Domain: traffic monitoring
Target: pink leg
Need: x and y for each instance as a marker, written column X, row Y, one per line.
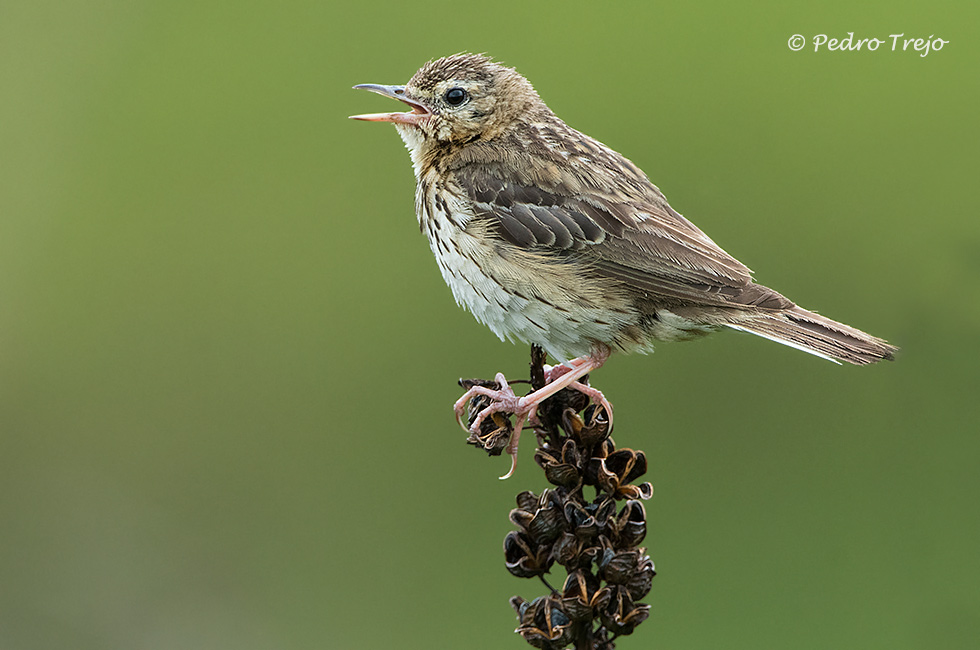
column 596, row 396
column 505, row 400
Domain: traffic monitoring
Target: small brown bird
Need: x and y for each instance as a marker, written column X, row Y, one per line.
column 550, row 237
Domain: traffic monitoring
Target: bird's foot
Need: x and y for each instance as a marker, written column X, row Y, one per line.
column 495, row 402
column 502, row 400
column 552, row 373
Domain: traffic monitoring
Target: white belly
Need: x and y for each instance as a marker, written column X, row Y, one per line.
column 557, row 308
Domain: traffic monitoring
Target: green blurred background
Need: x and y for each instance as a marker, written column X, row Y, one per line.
column 228, row 357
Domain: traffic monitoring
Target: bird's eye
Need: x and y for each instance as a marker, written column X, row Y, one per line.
column 456, row 96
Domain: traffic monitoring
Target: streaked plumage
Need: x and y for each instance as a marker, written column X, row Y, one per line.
column 548, row 236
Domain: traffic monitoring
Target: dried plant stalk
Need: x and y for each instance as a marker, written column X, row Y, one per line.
column 595, row 540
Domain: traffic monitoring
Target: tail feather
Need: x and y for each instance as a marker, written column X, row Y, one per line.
column 816, row 334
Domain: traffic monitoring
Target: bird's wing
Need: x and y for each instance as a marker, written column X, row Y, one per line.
column 630, row 234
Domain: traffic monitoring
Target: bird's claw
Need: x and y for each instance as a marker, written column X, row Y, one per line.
column 597, row 398
column 502, row 400
column 524, row 409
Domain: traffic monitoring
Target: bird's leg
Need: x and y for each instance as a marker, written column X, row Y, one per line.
column 506, row 401
column 515, row 437
column 596, row 396
column 551, row 373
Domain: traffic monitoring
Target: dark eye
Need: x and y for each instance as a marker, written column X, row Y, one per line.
column 456, row 96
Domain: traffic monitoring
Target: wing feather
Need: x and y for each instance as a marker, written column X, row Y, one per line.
column 635, row 237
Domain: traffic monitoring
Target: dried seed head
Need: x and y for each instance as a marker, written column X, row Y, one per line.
column 524, row 557
column 544, row 623
column 580, row 587
column 562, row 469
column 617, row 611
column 631, row 526
column 597, row 545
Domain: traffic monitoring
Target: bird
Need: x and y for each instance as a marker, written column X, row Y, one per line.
column 549, row 237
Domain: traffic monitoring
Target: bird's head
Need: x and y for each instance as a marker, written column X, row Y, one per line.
column 458, row 99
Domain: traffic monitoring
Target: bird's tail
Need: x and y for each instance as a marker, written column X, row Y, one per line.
column 816, row 334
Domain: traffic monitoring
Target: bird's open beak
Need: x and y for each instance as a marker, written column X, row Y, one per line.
column 397, row 92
